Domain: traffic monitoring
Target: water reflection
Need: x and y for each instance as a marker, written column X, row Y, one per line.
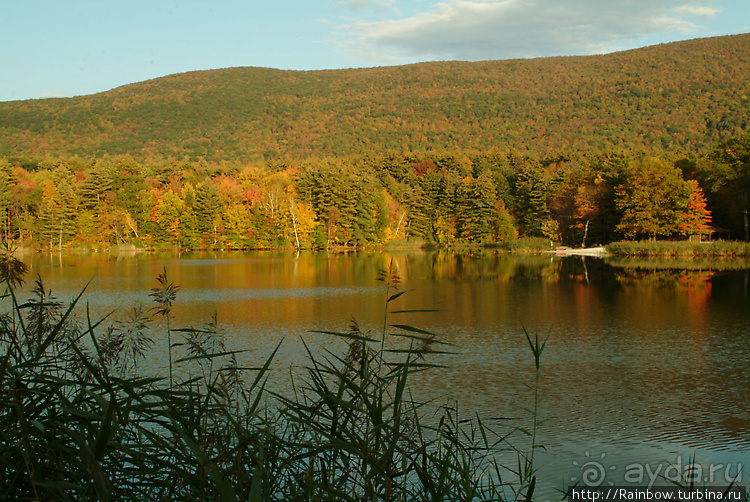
column 644, row 363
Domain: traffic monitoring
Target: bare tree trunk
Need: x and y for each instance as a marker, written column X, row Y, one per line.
column 129, row 221
column 585, row 269
column 585, row 233
column 271, row 205
column 398, row 227
column 294, row 222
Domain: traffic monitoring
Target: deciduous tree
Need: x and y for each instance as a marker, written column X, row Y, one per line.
column 652, row 199
column 696, row 218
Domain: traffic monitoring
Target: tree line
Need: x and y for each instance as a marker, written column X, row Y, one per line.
column 446, row 199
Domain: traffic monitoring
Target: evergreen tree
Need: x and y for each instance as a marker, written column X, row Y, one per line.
column 464, row 211
column 530, row 196
column 207, row 205
column 484, row 221
column 99, row 181
column 420, row 210
column 133, row 195
column 611, row 169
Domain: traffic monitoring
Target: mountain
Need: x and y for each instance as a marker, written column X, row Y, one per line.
column 680, row 97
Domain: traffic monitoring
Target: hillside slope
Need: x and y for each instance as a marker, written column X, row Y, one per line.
column 683, row 96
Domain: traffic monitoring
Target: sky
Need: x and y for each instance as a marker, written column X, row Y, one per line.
column 53, row 48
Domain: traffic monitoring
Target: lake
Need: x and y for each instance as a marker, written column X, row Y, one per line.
column 644, row 366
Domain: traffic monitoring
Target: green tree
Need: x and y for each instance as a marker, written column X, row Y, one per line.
column 477, row 210
column 57, row 213
column 420, row 211
column 732, row 161
column 345, row 202
column 652, row 199
column 611, row 169
column 99, row 181
column 530, row 193
column 189, row 231
column 207, row 205
column 133, row 194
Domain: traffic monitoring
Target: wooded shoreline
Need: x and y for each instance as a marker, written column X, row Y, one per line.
column 460, row 199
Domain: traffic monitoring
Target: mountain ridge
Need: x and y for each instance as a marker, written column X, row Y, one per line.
column 677, row 97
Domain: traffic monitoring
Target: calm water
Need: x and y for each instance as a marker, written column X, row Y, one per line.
column 643, row 367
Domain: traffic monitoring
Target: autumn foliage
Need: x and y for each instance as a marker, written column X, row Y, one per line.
column 464, row 198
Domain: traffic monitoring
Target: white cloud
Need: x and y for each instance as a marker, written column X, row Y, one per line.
column 366, row 4
column 46, row 95
column 695, row 10
column 500, row 29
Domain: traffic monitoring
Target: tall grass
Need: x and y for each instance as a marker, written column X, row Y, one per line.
column 685, row 249
column 79, row 422
column 524, row 245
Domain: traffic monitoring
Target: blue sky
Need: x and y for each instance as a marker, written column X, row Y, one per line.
column 55, row 48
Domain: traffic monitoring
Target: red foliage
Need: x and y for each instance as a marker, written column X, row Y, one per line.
column 252, row 196
column 697, row 218
column 424, row 167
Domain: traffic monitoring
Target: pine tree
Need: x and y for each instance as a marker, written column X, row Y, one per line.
column 484, row 222
column 530, row 197
column 207, row 205
column 99, row 181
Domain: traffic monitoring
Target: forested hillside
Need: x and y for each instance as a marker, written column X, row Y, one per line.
column 682, row 97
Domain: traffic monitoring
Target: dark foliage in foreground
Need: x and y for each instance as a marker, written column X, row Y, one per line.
column 79, row 422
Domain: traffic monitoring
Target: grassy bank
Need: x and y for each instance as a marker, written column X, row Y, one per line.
column 523, row 245
column 683, row 249
column 80, row 422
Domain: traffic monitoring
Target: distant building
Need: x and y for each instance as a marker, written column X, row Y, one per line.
column 712, row 233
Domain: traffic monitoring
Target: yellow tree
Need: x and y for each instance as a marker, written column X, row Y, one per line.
column 236, row 222
column 652, row 199
column 303, row 219
column 166, row 214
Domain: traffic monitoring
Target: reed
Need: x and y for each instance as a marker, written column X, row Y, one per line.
column 524, row 245
column 683, row 249
column 79, row 421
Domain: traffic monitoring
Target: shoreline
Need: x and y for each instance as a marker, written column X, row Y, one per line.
column 598, row 251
